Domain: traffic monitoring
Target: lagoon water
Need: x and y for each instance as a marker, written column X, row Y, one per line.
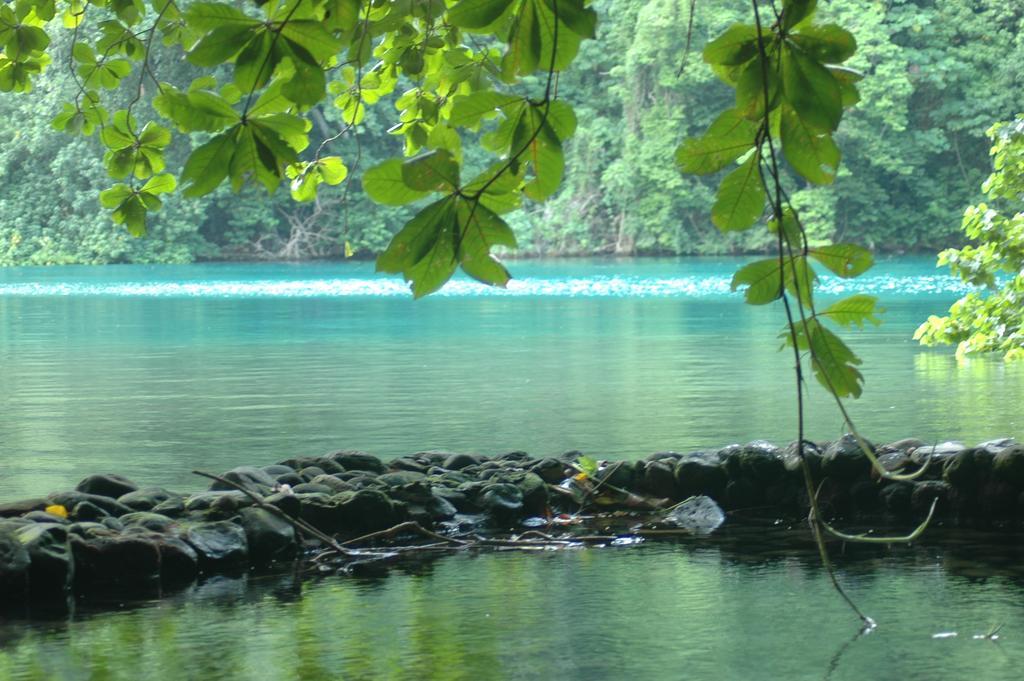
column 153, row 371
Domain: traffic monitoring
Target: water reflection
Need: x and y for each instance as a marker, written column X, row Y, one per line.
column 697, row 609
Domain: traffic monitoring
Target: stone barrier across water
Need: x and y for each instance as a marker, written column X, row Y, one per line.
column 111, row 534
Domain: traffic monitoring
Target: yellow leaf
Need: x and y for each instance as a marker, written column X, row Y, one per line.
column 348, row 250
column 57, row 510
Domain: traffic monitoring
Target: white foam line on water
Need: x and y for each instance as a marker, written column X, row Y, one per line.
column 584, row 287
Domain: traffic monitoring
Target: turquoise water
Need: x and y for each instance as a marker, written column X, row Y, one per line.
column 151, row 371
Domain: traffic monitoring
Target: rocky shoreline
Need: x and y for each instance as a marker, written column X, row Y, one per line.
column 111, row 534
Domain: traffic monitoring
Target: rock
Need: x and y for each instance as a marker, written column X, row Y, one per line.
column 965, row 469
column 892, row 462
column 269, row 537
column 551, row 471
column 89, row 529
column 290, row 479
column 896, row 496
column 249, row 477
column 153, row 522
column 700, row 473
column 459, row 500
column 844, row 461
column 457, row 462
column 88, row 511
column 501, row 501
column 659, row 478
column 71, row 499
column 313, row 488
column 16, row 508
column 399, row 478
column 937, row 454
column 791, row 460
column 44, row 517
column 335, row 484
column 993, row 447
column 700, row 515
column 51, row 569
column 904, row 446
column 407, row 463
column 668, row 457
column 328, row 465
column 422, row 504
column 147, row 498
column 276, row 470
column 742, row 493
column 226, row 501
column 179, row 562
column 309, row 472
column 172, row 508
column 14, row 566
column 116, row 559
column 109, row 485
column 219, row 545
column 534, row 492
column 358, row 461
column 516, row 458
column 864, row 494
column 368, row 511
column 289, row 503
column 761, row 462
column 1008, row 466
column 112, row 523
column 621, row 474
column 925, row 492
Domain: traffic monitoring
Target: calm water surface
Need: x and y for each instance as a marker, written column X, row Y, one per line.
column 151, row 371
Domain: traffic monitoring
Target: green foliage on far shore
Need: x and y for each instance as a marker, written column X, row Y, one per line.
column 991, row 318
column 937, row 74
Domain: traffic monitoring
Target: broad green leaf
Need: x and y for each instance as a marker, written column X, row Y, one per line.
column 561, row 119
column 812, row 90
column 220, row 45
column 800, row 280
column 728, row 138
column 853, row 311
column 827, row 43
column 384, row 184
column 434, row 171
column 750, row 88
column 845, row 260
column 477, row 15
column 208, row 165
column 737, row 45
column 796, row 11
column 762, row 279
column 207, row 16
column 740, row 199
column 160, row 184
column 313, row 38
column 482, row 229
column 575, row 16
column 423, row 251
column 332, row 169
column 833, row 362
column 790, row 228
column 814, row 155
column 256, row 62
column 115, row 196
column 847, row 79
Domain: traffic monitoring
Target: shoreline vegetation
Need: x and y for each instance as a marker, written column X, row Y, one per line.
column 351, row 513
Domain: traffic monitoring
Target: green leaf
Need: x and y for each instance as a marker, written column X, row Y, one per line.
column 332, row 169
column 814, row 155
column 477, row 15
column 737, row 45
column 160, row 184
column 828, row 43
column 790, row 226
column 587, row 465
column 728, row 138
column 811, row 90
column 845, row 260
column 467, row 110
column 433, row 171
column 796, row 11
column 423, row 251
column 740, row 199
column 576, row 17
column 854, row 311
column 208, row 165
column 220, row 45
column 384, row 184
column 750, row 88
column 762, row 279
column 313, row 38
column 207, row 16
column 115, row 196
column 481, row 230
column 833, row 362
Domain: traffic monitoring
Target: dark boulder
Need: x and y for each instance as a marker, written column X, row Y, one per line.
column 71, row 499
column 501, row 501
column 422, row 504
column 352, row 513
column 1008, row 466
column 153, row 522
column 89, row 529
column 309, row 472
column 399, row 478
column 147, row 498
column 219, row 544
column 88, row 511
column 179, row 562
column 275, row 470
column 108, row 485
column 904, row 446
column 14, row 566
column 760, row 462
column 226, row 501
column 993, row 447
column 172, row 508
column 812, row 453
column 551, row 471
column 927, row 492
column 357, row 461
column 313, row 488
column 16, row 508
column 845, row 461
column 128, row 559
column 270, row 538
column 289, row 503
column 659, row 478
column 52, row 568
column 534, row 491
column 700, row 473
column 896, row 497
column 937, row 455
column 45, row 517
column 249, row 477
column 334, row 483
column 457, row 462
column 967, row 468
column 408, row 463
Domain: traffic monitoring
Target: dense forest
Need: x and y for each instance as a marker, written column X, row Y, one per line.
column 939, row 73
